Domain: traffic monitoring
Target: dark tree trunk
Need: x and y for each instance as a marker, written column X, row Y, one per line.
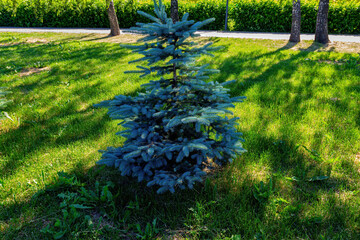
column 321, row 33
column 226, row 14
column 175, row 18
column 114, row 24
column 296, row 22
column 174, row 11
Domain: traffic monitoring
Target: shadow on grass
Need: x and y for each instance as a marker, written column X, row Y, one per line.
column 139, row 203
column 274, row 85
column 85, row 37
column 235, row 65
column 224, row 206
column 33, row 135
column 63, row 122
column 75, row 54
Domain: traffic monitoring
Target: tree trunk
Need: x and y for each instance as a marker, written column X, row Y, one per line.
column 296, row 21
column 174, row 11
column 114, row 24
column 321, row 33
column 175, row 18
column 226, row 14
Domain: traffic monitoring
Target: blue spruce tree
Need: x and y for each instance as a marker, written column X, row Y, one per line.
column 179, row 126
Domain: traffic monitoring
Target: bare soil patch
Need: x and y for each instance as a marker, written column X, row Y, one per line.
column 9, row 44
column 357, row 161
column 27, row 41
column 344, row 47
column 311, row 46
column 29, row 71
column 37, row 40
column 95, row 37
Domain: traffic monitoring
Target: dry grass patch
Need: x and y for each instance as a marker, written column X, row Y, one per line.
column 9, row 44
column 343, row 47
column 311, row 46
column 357, row 161
column 29, row 71
column 37, row 40
column 95, row 37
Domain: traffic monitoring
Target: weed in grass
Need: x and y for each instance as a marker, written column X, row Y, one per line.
column 318, row 159
column 149, row 232
column 260, row 235
column 78, row 207
column 71, row 224
column 3, row 103
column 353, row 62
column 263, row 191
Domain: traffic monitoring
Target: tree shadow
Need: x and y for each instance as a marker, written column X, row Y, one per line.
column 32, row 135
column 226, row 202
column 63, row 122
column 139, row 203
column 82, row 37
column 225, row 199
column 237, row 63
column 282, row 154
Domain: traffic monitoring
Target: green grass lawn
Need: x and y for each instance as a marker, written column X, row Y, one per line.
column 301, row 123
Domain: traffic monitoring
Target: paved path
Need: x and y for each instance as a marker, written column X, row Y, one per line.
column 272, row 36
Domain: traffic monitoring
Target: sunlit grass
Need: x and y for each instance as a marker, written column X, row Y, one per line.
column 301, row 119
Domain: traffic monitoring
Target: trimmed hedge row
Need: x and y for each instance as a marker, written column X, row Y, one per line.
column 272, row 16
column 244, row 15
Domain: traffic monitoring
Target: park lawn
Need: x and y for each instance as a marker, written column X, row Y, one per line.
column 301, row 123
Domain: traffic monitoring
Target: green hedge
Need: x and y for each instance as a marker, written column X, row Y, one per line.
column 244, row 15
column 275, row 16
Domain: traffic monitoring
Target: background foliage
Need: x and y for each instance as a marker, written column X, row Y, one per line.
column 244, row 15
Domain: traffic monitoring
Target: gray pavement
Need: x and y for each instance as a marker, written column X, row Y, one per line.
column 222, row 34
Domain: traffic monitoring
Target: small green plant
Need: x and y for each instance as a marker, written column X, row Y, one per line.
column 260, row 235
column 291, row 211
column 353, row 61
column 313, row 153
column 303, row 174
column 312, row 179
column 200, row 214
column 63, row 182
column 71, row 220
column 149, row 232
column 263, row 191
column 210, row 189
column 100, row 197
column 129, row 210
column 236, row 237
column 75, row 208
column 199, row 219
column 38, row 64
column 3, row 103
